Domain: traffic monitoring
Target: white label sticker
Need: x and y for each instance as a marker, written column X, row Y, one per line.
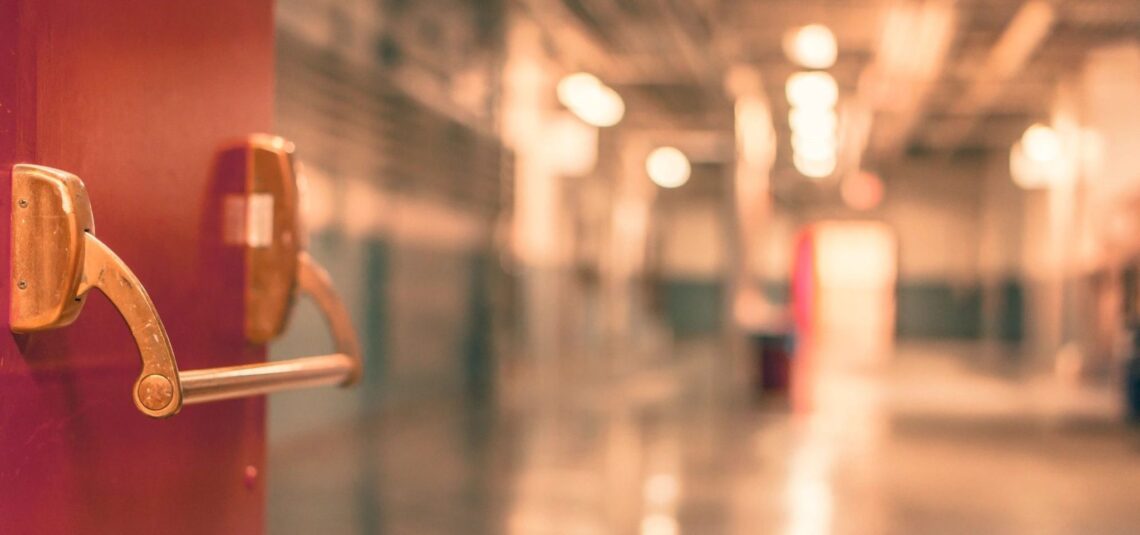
column 259, row 220
column 233, row 220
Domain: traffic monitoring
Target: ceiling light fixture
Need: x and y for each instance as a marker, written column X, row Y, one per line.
column 1041, row 143
column 668, row 167
column 812, row 89
column 813, row 122
column 592, row 101
column 814, row 149
column 812, row 46
column 814, row 168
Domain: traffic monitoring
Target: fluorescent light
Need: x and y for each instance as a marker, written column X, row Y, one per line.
column 812, row 46
column 814, row 168
column 574, row 88
column 815, row 148
column 592, row 101
column 813, row 122
column 1041, row 143
column 668, row 167
column 812, row 89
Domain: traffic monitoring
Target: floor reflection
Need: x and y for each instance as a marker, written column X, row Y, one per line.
column 935, row 442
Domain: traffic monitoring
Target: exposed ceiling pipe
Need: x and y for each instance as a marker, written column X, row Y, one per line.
column 573, row 40
column 915, row 39
column 1026, row 33
column 704, row 66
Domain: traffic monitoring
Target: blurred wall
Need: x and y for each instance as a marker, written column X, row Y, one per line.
column 935, row 208
column 1080, row 252
column 1041, row 267
column 692, row 265
column 391, row 105
column 1000, row 252
column 933, row 205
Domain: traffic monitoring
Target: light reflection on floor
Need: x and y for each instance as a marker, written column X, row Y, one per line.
column 937, row 442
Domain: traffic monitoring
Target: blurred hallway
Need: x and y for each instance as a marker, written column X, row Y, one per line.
column 579, row 236
column 679, row 449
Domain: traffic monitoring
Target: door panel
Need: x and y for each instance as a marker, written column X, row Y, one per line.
column 137, row 98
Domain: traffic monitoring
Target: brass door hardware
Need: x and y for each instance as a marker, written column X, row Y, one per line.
column 56, row 260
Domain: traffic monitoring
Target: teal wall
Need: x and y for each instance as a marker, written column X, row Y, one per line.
column 931, row 309
column 936, row 309
column 940, row 309
column 693, row 306
column 425, row 331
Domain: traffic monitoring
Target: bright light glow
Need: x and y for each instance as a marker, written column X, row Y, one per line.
column 574, row 87
column 812, row 46
column 1041, row 143
column 814, row 143
column 814, row 90
column 856, row 270
column 592, row 101
column 668, row 167
column 1029, row 173
column 659, row 524
column 813, row 96
column 1042, row 159
column 820, row 148
column 813, row 122
column 607, row 109
column 1023, row 171
column 811, row 168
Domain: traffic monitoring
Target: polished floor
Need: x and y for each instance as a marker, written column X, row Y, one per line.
column 935, row 438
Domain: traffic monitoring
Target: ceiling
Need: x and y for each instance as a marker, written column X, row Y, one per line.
column 938, row 76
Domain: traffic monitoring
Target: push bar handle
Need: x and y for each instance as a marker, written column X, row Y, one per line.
column 162, row 389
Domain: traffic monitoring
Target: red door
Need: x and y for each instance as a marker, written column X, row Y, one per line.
column 136, row 97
